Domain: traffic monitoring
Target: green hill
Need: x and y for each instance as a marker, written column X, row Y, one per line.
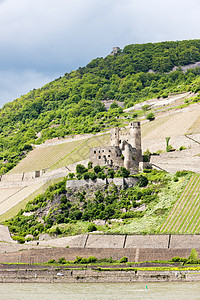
column 72, row 104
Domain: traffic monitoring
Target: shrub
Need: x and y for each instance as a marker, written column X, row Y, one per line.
column 182, row 148
column 181, row 173
column 178, row 259
column 89, row 165
column 80, row 169
column 97, row 169
column 78, row 260
column 92, row 259
column 143, row 181
column 114, row 105
column 62, row 260
column 193, row 256
column 123, row 260
column 71, row 175
column 111, row 174
column 19, row 239
column 145, row 158
column 134, row 115
column 150, row 117
column 92, row 175
column 91, row 227
column 86, row 175
column 101, row 175
column 145, row 107
column 51, row 261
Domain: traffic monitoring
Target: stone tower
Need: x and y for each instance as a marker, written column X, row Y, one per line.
column 114, row 137
column 135, row 138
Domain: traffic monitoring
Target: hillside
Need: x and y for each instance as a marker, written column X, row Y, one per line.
column 141, row 208
column 72, row 104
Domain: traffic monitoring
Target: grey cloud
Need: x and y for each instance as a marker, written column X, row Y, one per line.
column 56, row 36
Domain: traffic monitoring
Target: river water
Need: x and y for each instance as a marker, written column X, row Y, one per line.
column 80, row 291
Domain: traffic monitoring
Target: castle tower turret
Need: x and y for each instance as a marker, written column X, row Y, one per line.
column 135, row 138
column 114, row 137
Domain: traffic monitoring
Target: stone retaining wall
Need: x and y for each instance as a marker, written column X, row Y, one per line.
column 133, row 255
column 91, row 275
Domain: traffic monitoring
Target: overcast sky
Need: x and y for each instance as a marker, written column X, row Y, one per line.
column 41, row 40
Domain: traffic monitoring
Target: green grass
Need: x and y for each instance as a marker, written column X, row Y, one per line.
column 185, row 215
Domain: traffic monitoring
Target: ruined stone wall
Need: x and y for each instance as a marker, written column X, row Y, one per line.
column 129, row 182
column 125, row 142
column 110, row 156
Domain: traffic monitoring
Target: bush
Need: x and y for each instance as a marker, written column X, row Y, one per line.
column 51, row 261
column 71, row 175
column 78, row 260
column 150, row 117
column 80, row 169
column 86, row 175
column 62, row 260
column 143, row 181
column 101, row 175
column 146, row 158
column 193, row 256
column 97, row 169
column 178, row 259
column 89, row 165
column 134, row 115
column 182, row 148
column 92, row 175
column 91, row 227
column 92, row 259
column 123, row 260
column 145, row 107
column 19, row 239
column 181, row 173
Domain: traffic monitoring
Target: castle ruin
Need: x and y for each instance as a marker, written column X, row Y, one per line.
column 124, row 150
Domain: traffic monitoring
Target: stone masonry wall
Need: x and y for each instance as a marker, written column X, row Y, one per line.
column 88, row 182
column 134, row 255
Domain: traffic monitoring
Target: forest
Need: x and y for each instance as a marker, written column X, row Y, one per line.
column 72, row 104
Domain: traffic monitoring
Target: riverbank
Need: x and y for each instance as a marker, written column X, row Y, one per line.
column 59, row 274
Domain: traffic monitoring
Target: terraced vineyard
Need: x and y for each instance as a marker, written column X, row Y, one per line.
column 57, row 156
column 185, row 215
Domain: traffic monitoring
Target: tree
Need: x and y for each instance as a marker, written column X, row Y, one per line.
column 114, row 105
column 150, row 117
column 80, row 169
